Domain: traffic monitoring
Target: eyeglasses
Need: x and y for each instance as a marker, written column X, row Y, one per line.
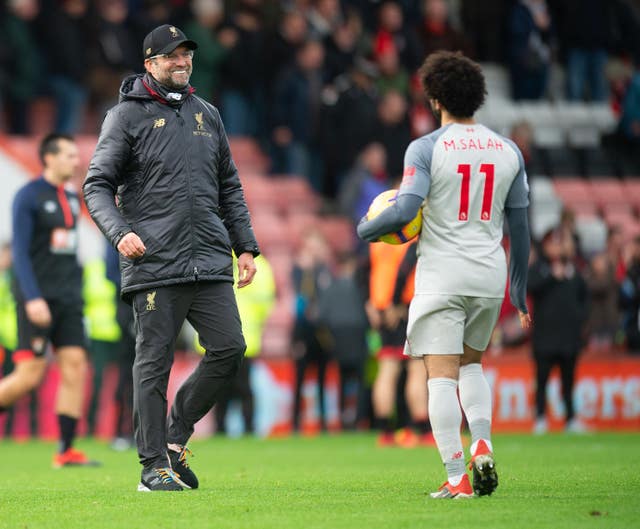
column 175, row 55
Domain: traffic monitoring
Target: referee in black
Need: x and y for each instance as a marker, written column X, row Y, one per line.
column 180, row 213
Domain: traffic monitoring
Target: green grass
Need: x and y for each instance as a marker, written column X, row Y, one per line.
column 335, row 481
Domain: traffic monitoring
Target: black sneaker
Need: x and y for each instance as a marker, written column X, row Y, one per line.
column 181, row 468
column 158, row 479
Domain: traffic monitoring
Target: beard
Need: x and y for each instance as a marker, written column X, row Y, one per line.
column 176, row 85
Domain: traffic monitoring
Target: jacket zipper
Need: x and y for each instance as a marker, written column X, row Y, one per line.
column 191, row 196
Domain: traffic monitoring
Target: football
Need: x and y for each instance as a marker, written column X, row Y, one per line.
column 410, row 231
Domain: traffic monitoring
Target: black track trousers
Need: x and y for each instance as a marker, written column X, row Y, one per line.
column 159, row 314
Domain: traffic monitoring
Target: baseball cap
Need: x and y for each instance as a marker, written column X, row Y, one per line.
column 165, row 39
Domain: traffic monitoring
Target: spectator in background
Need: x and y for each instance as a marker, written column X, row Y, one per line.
column 522, row 135
column 366, row 180
column 529, row 38
column 436, row 33
column 22, row 63
column 389, row 317
column 393, row 130
column 348, row 119
column 283, row 43
column 483, row 23
column 113, row 53
column 416, row 392
column 341, row 312
column 629, row 126
column 254, row 305
column 630, row 297
column 213, row 41
column 615, row 252
column 243, row 73
column 310, row 275
column 324, row 17
column 63, row 30
column 560, row 297
column 342, row 47
column 392, row 75
column 392, row 36
column 421, row 117
column 296, row 114
column 584, row 27
column 604, row 318
column 567, row 229
column 151, row 14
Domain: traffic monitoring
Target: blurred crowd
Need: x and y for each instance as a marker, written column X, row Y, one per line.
column 328, row 89
column 315, row 82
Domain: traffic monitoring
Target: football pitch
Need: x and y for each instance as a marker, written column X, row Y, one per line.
column 330, row 481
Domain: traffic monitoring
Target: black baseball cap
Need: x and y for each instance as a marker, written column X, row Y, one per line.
column 164, row 39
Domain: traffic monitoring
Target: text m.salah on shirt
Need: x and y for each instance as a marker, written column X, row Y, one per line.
column 470, row 144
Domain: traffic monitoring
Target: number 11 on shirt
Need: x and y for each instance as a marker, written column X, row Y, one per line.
column 464, row 169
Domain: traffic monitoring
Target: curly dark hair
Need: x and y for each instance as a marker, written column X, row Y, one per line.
column 455, row 81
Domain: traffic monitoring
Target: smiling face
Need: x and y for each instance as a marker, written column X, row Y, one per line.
column 172, row 70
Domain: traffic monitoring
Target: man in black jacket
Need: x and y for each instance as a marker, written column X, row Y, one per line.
column 180, row 213
column 560, row 298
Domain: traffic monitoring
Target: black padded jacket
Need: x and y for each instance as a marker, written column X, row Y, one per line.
column 177, row 187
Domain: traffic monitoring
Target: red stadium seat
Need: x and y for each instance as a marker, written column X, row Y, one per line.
column 631, row 188
column 259, row 193
column 573, row 191
column 608, row 191
column 271, row 231
column 293, row 193
column 339, row 232
column 247, row 155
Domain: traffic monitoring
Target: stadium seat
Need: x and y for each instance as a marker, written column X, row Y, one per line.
column 596, row 162
column 549, row 137
column 271, row 231
column 544, row 220
column 260, row 194
column 573, row 115
column 248, row 156
column 592, row 232
column 339, row 232
column 497, row 80
column 630, row 229
column 559, row 162
column 573, row 191
column 293, row 193
column 546, row 207
column 541, row 189
column 603, row 116
column 631, row 186
column 540, row 114
column 608, row 192
column 281, row 262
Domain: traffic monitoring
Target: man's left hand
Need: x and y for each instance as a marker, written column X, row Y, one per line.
column 246, row 269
